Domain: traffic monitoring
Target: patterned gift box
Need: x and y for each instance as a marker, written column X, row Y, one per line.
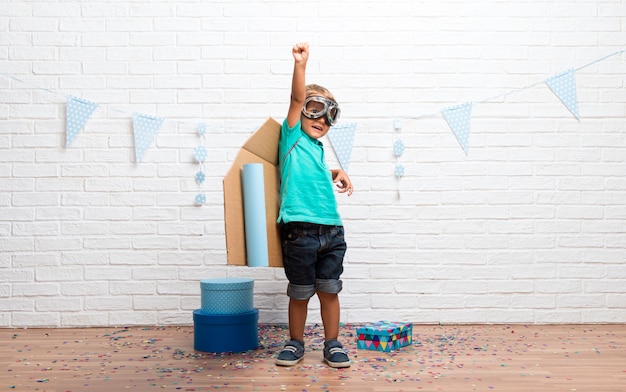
column 226, row 295
column 384, row 336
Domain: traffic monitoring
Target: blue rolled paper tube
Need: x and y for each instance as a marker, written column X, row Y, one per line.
column 254, row 214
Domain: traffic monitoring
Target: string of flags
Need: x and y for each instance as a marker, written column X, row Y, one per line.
column 458, row 118
column 78, row 112
column 563, row 85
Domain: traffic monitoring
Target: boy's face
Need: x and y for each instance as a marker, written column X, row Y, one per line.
column 318, row 114
column 314, row 127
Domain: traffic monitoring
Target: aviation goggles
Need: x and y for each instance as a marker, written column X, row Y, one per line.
column 317, row 106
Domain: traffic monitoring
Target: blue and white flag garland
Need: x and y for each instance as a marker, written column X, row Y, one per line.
column 145, row 128
column 342, row 137
column 458, row 118
column 78, row 111
column 563, row 86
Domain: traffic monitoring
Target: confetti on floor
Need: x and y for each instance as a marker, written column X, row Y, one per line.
column 441, row 358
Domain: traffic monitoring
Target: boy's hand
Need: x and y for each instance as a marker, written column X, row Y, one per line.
column 301, row 52
column 341, row 179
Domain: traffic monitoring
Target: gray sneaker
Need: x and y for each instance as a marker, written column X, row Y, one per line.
column 334, row 354
column 291, row 354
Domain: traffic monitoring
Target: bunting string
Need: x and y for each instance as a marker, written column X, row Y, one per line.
column 600, row 59
column 34, row 85
column 500, row 97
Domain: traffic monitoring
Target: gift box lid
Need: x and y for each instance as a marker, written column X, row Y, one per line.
column 390, row 327
column 222, row 284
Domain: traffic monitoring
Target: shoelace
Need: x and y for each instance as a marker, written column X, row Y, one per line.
column 293, row 349
column 336, row 350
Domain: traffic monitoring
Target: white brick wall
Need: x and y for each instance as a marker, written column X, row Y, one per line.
column 529, row 228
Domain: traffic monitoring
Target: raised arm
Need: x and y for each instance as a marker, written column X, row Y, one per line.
column 300, row 53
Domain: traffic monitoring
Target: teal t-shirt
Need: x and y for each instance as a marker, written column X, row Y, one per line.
column 306, row 186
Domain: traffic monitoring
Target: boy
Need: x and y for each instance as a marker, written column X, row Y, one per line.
column 312, row 234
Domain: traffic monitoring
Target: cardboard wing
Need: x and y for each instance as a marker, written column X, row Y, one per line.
column 261, row 147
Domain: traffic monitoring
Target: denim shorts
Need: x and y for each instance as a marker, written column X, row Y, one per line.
column 312, row 258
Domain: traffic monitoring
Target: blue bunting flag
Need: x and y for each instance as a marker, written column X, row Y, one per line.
column 145, row 128
column 342, row 137
column 563, row 86
column 459, row 118
column 78, row 111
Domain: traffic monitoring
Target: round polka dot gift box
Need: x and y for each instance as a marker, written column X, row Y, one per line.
column 227, row 295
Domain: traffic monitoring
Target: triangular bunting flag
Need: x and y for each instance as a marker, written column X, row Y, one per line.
column 78, row 112
column 145, row 128
column 342, row 137
column 458, row 118
column 563, row 86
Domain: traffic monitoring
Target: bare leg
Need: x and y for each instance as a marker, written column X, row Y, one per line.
column 330, row 310
column 334, row 355
column 297, row 318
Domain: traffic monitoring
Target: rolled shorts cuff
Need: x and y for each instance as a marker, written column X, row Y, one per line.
column 330, row 286
column 300, row 292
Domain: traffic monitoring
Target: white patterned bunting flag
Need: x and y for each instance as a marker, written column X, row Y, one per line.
column 563, row 86
column 145, row 128
column 458, row 118
column 78, row 111
column 342, row 137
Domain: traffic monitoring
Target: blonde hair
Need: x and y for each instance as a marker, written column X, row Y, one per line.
column 314, row 89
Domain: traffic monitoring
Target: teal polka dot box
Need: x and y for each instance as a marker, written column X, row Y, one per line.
column 227, row 295
column 227, row 320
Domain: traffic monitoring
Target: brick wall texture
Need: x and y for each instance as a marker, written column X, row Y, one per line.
column 529, row 227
